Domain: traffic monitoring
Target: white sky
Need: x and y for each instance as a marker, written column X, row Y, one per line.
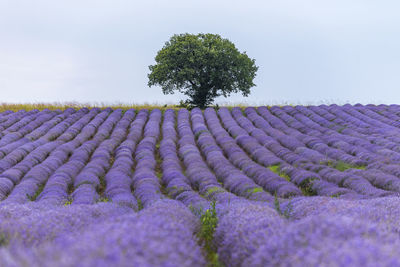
column 308, row 52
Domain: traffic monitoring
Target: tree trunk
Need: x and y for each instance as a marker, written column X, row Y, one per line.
column 200, row 98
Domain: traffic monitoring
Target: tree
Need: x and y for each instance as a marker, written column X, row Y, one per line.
column 203, row 67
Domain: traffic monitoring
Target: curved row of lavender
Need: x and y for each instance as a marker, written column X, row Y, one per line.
column 310, row 186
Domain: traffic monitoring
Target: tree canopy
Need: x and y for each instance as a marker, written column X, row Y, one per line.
column 203, row 67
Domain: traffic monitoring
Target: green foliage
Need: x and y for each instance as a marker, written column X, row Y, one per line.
column 257, row 189
column 70, row 188
column 184, row 104
column 37, row 193
column 343, row 166
column 277, row 169
column 199, row 133
column 307, row 187
column 175, row 190
column 3, row 240
column 213, row 260
column 140, row 204
column 288, row 210
column 277, row 204
column 203, row 67
column 209, row 221
column 274, row 168
column 254, row 190
column 212, row 190
column 197, row 211
column 102, row 186
column 103, row 199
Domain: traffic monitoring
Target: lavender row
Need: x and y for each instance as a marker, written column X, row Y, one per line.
column 177, row 185
column 91, row 176
column 15, row 118
column 353, row 180
column 37, row 132
column 361, row 145
column 202, row 179
column 119, row 178
column 146, row 184
column 57, row 134
column 309, row 134
column 308, row 180
column 39, row 174
column 56, row 189
column 18, row 162
column 212, row 158
column 232, row 178
column 35, row 169
column 354, row 140
column 25, row 126
column 270, row 181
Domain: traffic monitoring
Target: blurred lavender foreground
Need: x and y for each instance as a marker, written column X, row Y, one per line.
column 100, row 235
column 319, row 232
column 266, row 186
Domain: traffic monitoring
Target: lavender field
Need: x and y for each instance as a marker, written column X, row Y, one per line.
column 266, row 186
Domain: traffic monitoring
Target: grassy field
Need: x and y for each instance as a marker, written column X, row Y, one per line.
column 62, row 106
column 149, row 106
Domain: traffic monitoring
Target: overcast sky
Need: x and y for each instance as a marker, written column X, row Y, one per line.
column 308, row 52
